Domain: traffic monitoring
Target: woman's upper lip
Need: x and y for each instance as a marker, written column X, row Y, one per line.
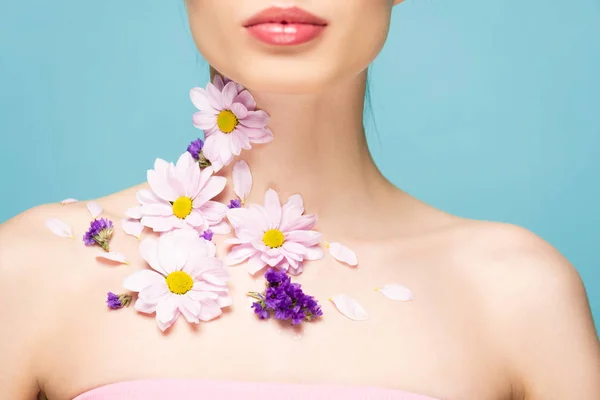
column 288, row 15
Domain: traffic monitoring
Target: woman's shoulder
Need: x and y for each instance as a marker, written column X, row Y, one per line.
column 530, row 300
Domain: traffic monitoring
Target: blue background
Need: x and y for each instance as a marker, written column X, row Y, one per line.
column 485, row 109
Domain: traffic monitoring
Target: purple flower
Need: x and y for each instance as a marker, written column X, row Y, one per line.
column 115, row 302
column 100, row 232
column 195, row 148
column 207, row 235
column 285, row 300
column 235, row 203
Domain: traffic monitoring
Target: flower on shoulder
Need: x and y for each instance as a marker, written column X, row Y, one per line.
column 180, row 197
column 185, row 279
column 100, row 232
column 284, row 300
column 273, row 235
column 230, row 120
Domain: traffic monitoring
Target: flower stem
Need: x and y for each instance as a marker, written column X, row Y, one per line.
column 255, row 295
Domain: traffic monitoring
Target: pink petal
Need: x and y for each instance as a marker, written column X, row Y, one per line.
column 349, row 307
column 204, row 121
column 255, row 264
column 161, row 224
column 213, row 211
column 213, row 187
column 342, row 253
column 200, row 100
column 256, row 135
column 149, row 252
column 145, row 196
column 216, row 276
column 190, row 309
column 145, row 307
column 239, row 110
column 218, row 82
column 272, row 260
column 142, row 279
column 245, row 98
column 235, row 142
column 160, row 186
column 134, row 212
column 155, row 293
column 167, row 312
column 255, row 119
column 222, row 228
column 307, row 238
column 273, row 208
column 242, row 180
column 94, row 209
column 113, row 256
column 305, row 222
column 229, row 93
column 239, row 254
column 225, row 154
column 157, row 210
column 209, row 310
column 59, row 228
column 396, row 292
column 68, row 201
column 295, row 248
column 314, row 253
column 196, row 219
column 215, row 96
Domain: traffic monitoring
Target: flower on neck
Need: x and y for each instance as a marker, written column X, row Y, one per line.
column 229, row 119
column 195, row 149
column 285, row 300
column 180, row 197
column 185, row 279
column 273, row 235
column 114, row 301
column 100, row 232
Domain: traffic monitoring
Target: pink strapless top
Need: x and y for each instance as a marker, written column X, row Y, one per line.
column 174, row 389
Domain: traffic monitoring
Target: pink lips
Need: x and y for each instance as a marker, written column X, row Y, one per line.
column 285, row 26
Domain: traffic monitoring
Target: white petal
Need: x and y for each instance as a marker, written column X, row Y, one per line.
column 68, row 201
column 141, row 279
column 242, row 180
column 342, row 253
column 132, row 227
column 396, row 292
column 113, row 256
column 349, row 307
column 59, row 228
column 94, row 208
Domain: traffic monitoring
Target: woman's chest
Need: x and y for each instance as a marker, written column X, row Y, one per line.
column 430, row 345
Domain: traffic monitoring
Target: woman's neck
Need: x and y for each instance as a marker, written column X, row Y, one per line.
column 320, row 151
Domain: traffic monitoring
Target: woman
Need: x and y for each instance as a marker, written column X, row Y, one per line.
column 497, row 313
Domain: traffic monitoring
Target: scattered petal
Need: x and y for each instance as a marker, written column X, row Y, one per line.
column 68, row 201
column 132, row 227
column 342, row 253
column 396, row 292
column 95, row 209
column 242, row 180
column 114, row 256
column 349, row 307
column 59, row 228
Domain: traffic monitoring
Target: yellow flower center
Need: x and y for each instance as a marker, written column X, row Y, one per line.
column 180, row 282
column 273, row 238
column 182, row 207
column 227, row 121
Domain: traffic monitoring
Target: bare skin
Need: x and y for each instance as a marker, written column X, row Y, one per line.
column 498, row 313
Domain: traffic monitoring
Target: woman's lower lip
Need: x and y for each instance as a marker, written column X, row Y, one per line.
column 285, row 34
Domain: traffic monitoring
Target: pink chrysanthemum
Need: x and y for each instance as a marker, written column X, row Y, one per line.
column 229, row 119
column 274, row 235
column 180, row 197
column 185, row 279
